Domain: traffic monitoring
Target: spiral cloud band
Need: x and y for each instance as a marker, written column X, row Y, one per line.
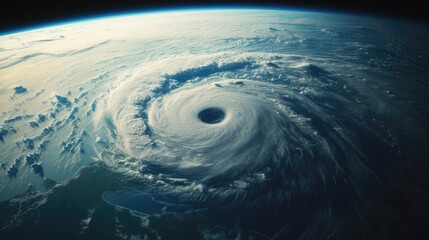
column 230, row 135
column 246, row 137
column 216, row 115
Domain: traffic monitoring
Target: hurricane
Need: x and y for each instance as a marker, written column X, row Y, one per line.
column 215, row 130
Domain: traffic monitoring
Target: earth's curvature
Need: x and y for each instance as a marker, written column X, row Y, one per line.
column 215, row 124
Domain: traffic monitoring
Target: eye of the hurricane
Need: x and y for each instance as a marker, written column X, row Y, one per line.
column 211, row 115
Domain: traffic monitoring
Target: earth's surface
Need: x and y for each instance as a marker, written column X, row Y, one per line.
column 215, row 124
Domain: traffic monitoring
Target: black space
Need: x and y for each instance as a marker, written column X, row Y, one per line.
column 21, row 14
